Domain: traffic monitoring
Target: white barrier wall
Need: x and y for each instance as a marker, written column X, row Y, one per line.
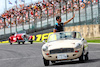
column 87, row 31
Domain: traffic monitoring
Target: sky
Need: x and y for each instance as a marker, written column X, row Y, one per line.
column 2, row 4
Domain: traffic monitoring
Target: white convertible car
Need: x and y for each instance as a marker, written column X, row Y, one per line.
column 64, row 46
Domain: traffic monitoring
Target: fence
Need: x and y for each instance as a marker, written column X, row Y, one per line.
column 38, row 17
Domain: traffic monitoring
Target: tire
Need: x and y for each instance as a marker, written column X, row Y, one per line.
column 86, row 56
column 46, row 62
column 53, row 61
column 81, row 58
column 31, row 42
column 10, row 42
column 23, row 42
column 18, row 42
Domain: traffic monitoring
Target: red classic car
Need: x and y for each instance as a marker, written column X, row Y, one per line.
column 20, row 37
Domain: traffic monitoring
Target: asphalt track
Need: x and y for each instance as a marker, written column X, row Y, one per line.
column 29, row 55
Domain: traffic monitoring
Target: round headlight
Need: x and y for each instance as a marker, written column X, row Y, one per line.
column 45, row 48
column 78, row 45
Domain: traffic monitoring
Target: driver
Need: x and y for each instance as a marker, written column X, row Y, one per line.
column 73, row 34
column 25, row 36
column 62, row 35
column 12, row 34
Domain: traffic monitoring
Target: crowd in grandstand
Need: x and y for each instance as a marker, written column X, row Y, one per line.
column 38, row 10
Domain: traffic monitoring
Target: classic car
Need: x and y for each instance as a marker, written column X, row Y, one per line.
column 64, row 46
column 20, row 37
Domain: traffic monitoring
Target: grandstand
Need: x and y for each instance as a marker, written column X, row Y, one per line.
column 42, row 15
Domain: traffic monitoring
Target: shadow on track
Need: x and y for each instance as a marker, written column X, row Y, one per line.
column 75, row 62
column 21, row 44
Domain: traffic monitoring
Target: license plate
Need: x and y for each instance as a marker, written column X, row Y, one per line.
column 62, row 56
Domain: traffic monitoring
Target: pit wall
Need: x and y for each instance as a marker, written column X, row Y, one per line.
column 87, row 31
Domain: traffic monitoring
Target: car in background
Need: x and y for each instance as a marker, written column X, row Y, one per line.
column 64, row 46
column 20, row 38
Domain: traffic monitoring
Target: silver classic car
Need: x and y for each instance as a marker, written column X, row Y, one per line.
column 64, row 46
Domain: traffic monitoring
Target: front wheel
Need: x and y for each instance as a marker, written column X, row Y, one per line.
column 86, row 56
column 23, row 42
column 31, row 42
column 46, row 62
column 10, row 42
column 81, row 58
column 18, row 41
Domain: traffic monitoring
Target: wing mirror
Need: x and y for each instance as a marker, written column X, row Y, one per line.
column 44, row 41
column 82, row 39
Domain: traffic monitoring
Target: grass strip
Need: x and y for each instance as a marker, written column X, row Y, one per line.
column 93, row 41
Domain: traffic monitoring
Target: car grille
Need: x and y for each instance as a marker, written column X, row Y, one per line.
column 62, row 50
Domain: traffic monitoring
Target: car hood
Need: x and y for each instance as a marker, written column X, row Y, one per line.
column 62, row 44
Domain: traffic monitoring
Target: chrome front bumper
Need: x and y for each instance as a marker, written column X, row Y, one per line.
column 70, row 56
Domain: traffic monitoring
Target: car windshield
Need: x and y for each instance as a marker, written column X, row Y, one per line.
column 21, row 32
column 64, row 35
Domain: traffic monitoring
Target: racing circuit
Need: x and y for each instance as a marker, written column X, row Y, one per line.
column 86, row 21
column 29, row 55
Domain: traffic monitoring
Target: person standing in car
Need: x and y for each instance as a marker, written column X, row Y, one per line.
column 59, row 25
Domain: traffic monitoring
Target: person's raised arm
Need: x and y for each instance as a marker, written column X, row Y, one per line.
column 69, row 20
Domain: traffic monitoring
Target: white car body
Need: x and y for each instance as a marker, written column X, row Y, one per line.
column 64, row 48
